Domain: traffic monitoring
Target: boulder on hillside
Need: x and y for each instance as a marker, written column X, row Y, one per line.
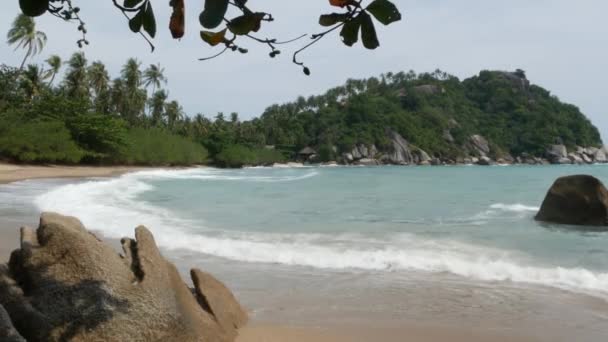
column 576, row 200
column 401, row 153
column 66, row 284
column 479, row 145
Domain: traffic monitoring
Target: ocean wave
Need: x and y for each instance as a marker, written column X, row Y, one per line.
column 517, row 207
column 209, row 174
column 113, row 207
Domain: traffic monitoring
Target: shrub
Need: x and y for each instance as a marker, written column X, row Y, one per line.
column 239, row 156
column 39, row 142
column 155, row 146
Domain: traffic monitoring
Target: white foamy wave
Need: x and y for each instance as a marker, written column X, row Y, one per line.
column 517, row 207
column 114, row 207
column 219, row 175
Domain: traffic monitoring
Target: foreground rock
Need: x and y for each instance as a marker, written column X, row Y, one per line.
column 65, row 284
column 576, row 200
column 8, row 333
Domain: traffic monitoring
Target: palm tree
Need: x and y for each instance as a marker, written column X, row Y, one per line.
column 135, row 98
column 157, row 106
column 174, row 113
column 55, row 63
column 154, row 76
column 132, row 74
column 99, row 79
column 76, row 82
column 24, row 34
column 31, row 81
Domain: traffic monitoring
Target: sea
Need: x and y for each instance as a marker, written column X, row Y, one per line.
column 451, row 243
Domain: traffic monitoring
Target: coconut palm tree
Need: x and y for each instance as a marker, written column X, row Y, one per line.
column 54, row 63
column 23, row 33
column 135, row 98
column 99, row 79
column 31, row 80
column 157, row 106
column 154, row 75
column 76, row 81
column 174, row 113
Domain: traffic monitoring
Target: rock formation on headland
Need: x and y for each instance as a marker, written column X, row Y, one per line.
column 66, row 284
column 576, row 200
column 477, row 147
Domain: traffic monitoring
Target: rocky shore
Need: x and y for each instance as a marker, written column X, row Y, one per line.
column 476, row 151
column 64, row 284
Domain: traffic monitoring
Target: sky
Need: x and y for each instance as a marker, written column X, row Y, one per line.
column 561, row 44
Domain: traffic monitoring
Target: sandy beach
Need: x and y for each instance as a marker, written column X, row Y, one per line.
column 433, row 311
column 12, row 173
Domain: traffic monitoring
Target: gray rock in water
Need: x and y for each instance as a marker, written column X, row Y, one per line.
column 575, row 158
column 401, row 153
column 600, row 156
column 479, row 144
column 368, row 162
column 7, row 331
column 421, row 157
column 576, row 200
column 557, row 154
column 69, row 285
column 485, row 161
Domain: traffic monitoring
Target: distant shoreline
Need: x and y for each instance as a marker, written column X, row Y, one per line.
column 14, row 172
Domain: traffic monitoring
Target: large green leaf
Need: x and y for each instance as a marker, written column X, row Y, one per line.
column 150, row 21
column 385, row 11
column 246, row 23
column 350, row 31
column 214, row 13
column 137, row 21
column 332, row 19
column 368, row 32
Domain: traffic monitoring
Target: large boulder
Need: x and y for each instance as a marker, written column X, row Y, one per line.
column 576, row 200
column 8, row 333
column 479, row 145
column 66, row 284
column 401, row 153
column 557, row 154
column 600, row 156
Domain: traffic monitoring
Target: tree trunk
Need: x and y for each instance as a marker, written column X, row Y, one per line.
column 24, row 59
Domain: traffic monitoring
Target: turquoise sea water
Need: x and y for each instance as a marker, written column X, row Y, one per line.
column 475, row 223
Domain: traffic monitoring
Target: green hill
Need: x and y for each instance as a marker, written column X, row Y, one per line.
column 436, row 112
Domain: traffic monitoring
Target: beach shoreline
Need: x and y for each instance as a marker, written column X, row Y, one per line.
column 457, row 316
column 13, row 172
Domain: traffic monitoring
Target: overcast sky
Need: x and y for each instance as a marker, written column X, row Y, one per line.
column 562, row 45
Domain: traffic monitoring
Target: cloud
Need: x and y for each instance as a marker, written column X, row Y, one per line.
column 562, row 45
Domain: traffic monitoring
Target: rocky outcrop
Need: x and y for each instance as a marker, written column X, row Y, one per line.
column 576, row 200
column 479, row 145
column 66, row 284
column 557, row 154
column 8, row 333
column 428, row 89
column 401, row 153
